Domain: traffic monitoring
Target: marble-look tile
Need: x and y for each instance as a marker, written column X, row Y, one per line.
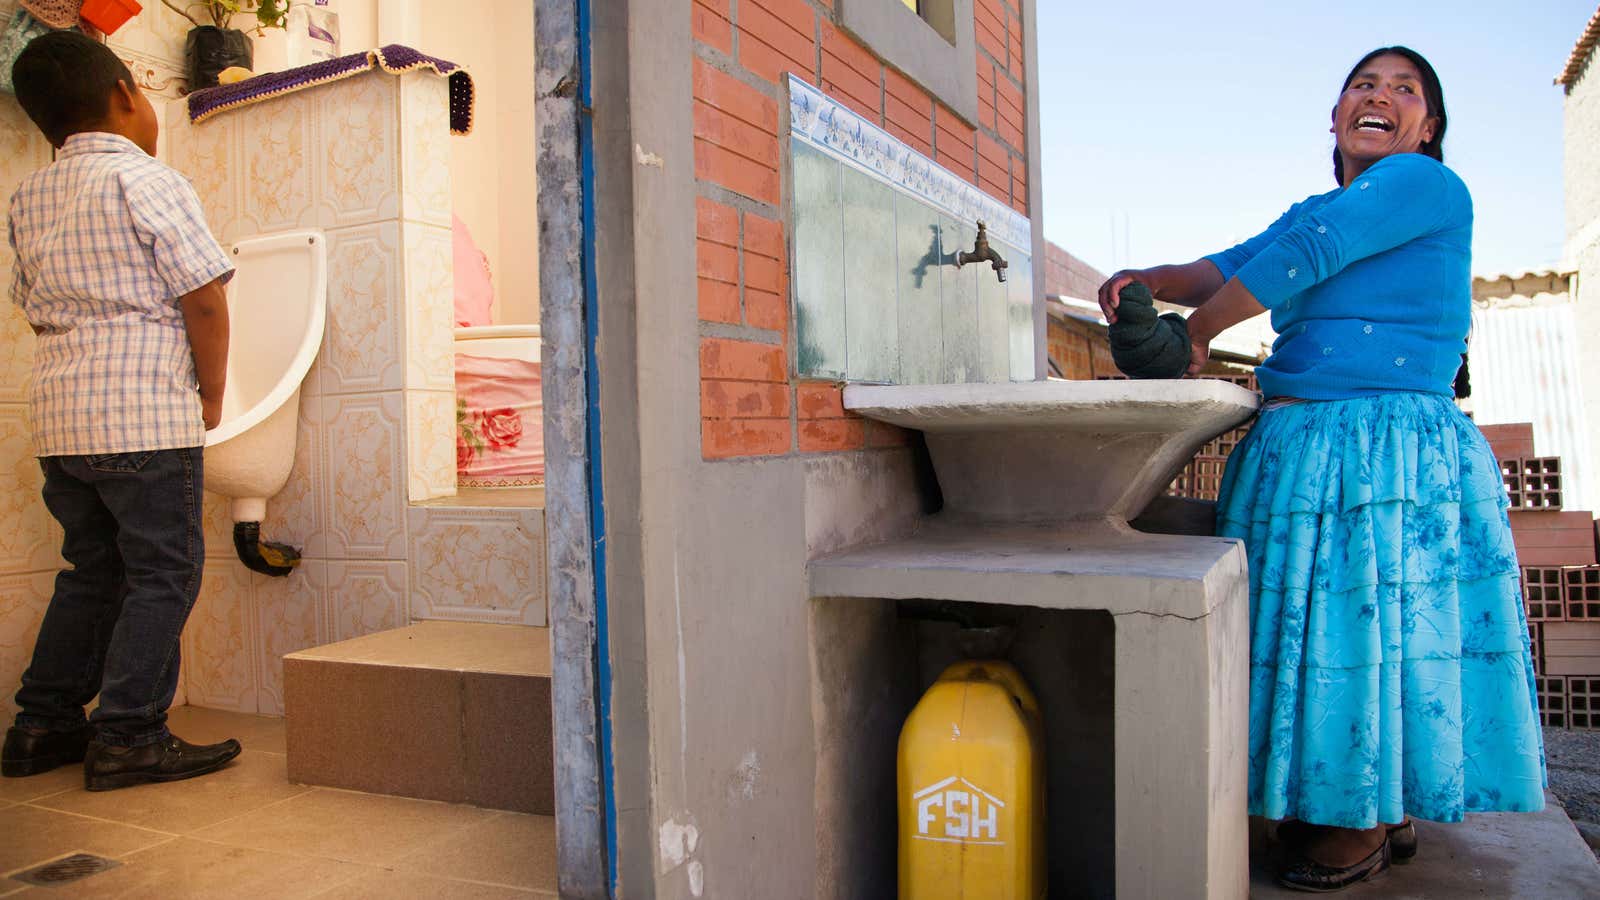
column 366, row 475
column 296, row 514
column 358, row 170
column 872, row 344
column 30, row 540
column 425, row 148
column 277, row 183
column 994, row 320
column 430, row 308
column 431, row 444
column 920, row 264
column 1020, row 304
column 264, row 734
column 819, row 273
column 290, row 612
column 211, row 154
column 219, row 640
column 365, row 597
column 478, row 565
column 366, row 311
column 959, row 298
column 23, row 599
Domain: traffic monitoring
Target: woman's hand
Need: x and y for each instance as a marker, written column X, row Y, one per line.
column 1110, row 292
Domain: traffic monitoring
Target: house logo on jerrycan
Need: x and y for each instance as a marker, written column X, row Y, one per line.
column 971, row 788
column 955, row 809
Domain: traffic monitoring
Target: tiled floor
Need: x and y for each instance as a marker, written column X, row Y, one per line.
column 247, row 832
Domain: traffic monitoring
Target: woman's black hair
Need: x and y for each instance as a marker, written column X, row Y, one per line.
column 64, row 82
column 1432, row 94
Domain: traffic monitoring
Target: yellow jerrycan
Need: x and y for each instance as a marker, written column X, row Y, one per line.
column 971, row 789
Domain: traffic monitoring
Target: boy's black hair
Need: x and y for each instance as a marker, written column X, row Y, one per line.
column 64, row 81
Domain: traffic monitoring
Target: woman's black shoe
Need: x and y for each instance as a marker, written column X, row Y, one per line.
column 1306, row 875
column 1402, row 838
column 26, row 753
column 170, row 759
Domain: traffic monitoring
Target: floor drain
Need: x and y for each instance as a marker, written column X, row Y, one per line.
column 70, row 868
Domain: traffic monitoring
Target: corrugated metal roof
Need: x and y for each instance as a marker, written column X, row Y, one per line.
column 1525, row 369
column 1580, row 51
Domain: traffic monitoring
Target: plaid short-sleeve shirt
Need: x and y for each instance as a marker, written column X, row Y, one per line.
column 107, row 241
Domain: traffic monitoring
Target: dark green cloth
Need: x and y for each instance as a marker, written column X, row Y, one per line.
column 1144, row 345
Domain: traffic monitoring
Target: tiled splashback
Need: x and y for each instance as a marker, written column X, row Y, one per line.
column 877, row 227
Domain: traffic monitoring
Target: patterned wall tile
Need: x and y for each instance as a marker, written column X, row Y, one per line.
column 22, row 151
column 358, row 169
column 296, row 515
column 425, row 148
column 30, row 540
column 290, row 616
column 478, row 565
column 16, row 347
column 431, row 445
column 430, row 308
column 219, row 641
column 366, row 476
column 217, row 526
column 23, row 599
column 366, row 311
column 277, row 184
column 365, row 597
column 151, row 43
column 211, row 154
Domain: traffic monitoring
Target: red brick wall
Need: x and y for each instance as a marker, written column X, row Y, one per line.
column 750, row 404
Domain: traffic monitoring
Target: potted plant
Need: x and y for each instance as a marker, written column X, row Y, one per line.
column 213, row 44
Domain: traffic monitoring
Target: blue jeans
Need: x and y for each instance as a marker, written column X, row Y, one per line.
column 135, row 551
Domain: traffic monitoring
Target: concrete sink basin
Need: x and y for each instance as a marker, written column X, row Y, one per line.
column 1052, row 452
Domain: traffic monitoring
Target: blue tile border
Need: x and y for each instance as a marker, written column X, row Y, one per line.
column 839, row 131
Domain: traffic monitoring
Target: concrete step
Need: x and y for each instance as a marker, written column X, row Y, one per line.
column 452, row 711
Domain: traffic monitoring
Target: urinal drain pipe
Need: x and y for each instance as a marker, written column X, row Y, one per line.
column 266, row 557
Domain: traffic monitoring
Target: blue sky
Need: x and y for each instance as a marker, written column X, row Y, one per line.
column 1172, row 129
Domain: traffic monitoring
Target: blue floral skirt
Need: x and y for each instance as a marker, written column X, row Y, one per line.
column 1390, row 671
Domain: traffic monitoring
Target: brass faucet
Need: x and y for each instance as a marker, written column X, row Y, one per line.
column 981, row 251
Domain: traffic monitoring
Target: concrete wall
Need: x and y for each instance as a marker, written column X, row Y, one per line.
column 1581, row 189
column 723, row 473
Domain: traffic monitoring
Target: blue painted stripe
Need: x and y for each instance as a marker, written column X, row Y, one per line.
column 597, row 505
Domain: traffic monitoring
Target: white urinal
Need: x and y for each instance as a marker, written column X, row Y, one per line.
column 277, row 306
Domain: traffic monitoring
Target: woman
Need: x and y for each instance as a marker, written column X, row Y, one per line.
column 1390, row 673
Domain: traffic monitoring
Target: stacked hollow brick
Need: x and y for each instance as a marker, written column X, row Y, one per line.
column 1201, row 479
column 751, row 403
column 1556, row 548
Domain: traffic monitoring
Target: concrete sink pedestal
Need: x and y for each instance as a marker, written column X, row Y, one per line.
column 1039, row 480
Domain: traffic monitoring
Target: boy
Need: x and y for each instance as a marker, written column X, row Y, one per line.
column 123, row 284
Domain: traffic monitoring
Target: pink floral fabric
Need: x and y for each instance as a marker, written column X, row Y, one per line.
column 499, row 422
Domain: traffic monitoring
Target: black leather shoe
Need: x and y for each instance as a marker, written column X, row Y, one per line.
column 27, row 753
column 1308, row 875
column 107, row 768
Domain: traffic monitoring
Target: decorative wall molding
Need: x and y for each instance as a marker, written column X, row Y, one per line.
column 839, row 131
